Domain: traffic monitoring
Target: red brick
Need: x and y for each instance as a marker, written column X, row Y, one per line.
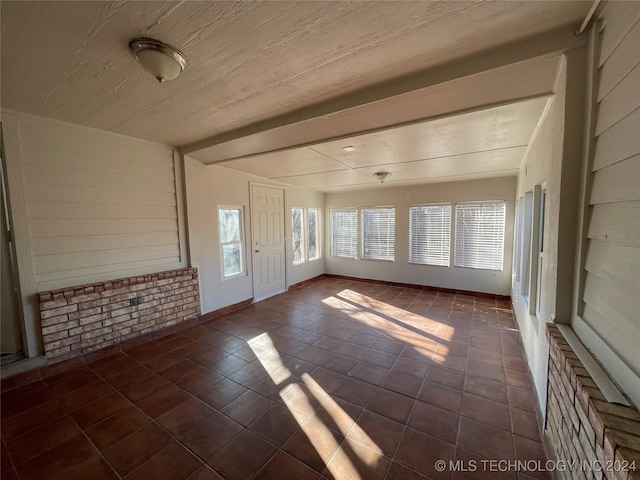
column 58, row 351
column 53, row 337
column 61, row 343
column 84, row 313
column 84, row 297
column 58, row 311
column 47, row 305
column 95, row 333
column 58, row 328
column 93, row 318
column 115, row 320
column 114, row 291
column 93, row 304
column 123, row 311
column 54, row 320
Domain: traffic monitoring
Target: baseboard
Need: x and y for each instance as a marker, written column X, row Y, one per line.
column 422, row 287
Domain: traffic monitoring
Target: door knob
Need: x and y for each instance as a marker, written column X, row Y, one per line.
column 257, row 251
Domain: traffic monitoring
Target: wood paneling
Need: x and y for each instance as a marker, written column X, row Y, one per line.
column 619, row 182
column 99, row 205
column 619, row 17
column 611, row 285
column 620, row 101
column 616, row 223
column 619, row 143
column 621, row 62
column 613, row 263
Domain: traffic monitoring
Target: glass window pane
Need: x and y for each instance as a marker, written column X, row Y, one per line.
column 313, row 234
column 298, row 236
column 230, row 230
column 232, row 254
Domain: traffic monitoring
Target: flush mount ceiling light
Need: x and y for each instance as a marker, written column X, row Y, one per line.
column 162, row 61
column 381, row 176
column 349, row 149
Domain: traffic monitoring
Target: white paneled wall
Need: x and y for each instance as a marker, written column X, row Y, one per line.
column 99, row 206
column 611, row 286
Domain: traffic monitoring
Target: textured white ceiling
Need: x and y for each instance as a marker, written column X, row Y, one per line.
column 485, row 143
column 284, row 77
column 248, row 61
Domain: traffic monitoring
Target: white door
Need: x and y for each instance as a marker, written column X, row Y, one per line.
column 268, row 245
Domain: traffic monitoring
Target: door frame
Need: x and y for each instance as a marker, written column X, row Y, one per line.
column 284, row 235
column 7, row 212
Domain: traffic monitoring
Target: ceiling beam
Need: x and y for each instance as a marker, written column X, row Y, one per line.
column 491, row 78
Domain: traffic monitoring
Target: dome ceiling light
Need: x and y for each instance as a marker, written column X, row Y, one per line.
column 162, row 61
column 381, row 176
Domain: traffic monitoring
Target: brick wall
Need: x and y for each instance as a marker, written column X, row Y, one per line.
column 89, row 317
column 582, row 426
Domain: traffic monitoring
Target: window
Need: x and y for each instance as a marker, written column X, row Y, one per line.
column 344, row 233
column 232, row 241
column 430, row 234
column 313, row 223
column 480, row 235
column 298, row 235
column 543, row 201
column 525, row 251
column 517, row 239
column 379, row 233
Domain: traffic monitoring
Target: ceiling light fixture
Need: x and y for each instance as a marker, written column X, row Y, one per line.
column 381, row 176
column 162, row 61
column 349, row 149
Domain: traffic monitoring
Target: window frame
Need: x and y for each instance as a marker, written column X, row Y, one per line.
column 242, row 242
column 525, row 251
column 540, row 253
column 412, row 260
column 363, row 232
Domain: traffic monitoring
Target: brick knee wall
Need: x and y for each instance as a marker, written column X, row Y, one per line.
column 89, row 317
column 582, row 426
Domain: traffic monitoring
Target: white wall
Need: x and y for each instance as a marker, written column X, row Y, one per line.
column 88, row 206
column 210, row 186
column 401, row 270
column 542, row 166
column 553, row 162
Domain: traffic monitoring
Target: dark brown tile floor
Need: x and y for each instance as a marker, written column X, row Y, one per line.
column 340, row 379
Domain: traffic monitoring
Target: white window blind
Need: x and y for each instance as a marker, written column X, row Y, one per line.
column 344, row 233
column 298, row 235
column 378, row 233
column 430, row 234
column 480, row 235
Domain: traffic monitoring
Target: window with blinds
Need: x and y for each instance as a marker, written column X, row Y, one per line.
column 480, row 235
column 298, row 235
column 379, row 233
column 344, row 233
column 430, row 234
